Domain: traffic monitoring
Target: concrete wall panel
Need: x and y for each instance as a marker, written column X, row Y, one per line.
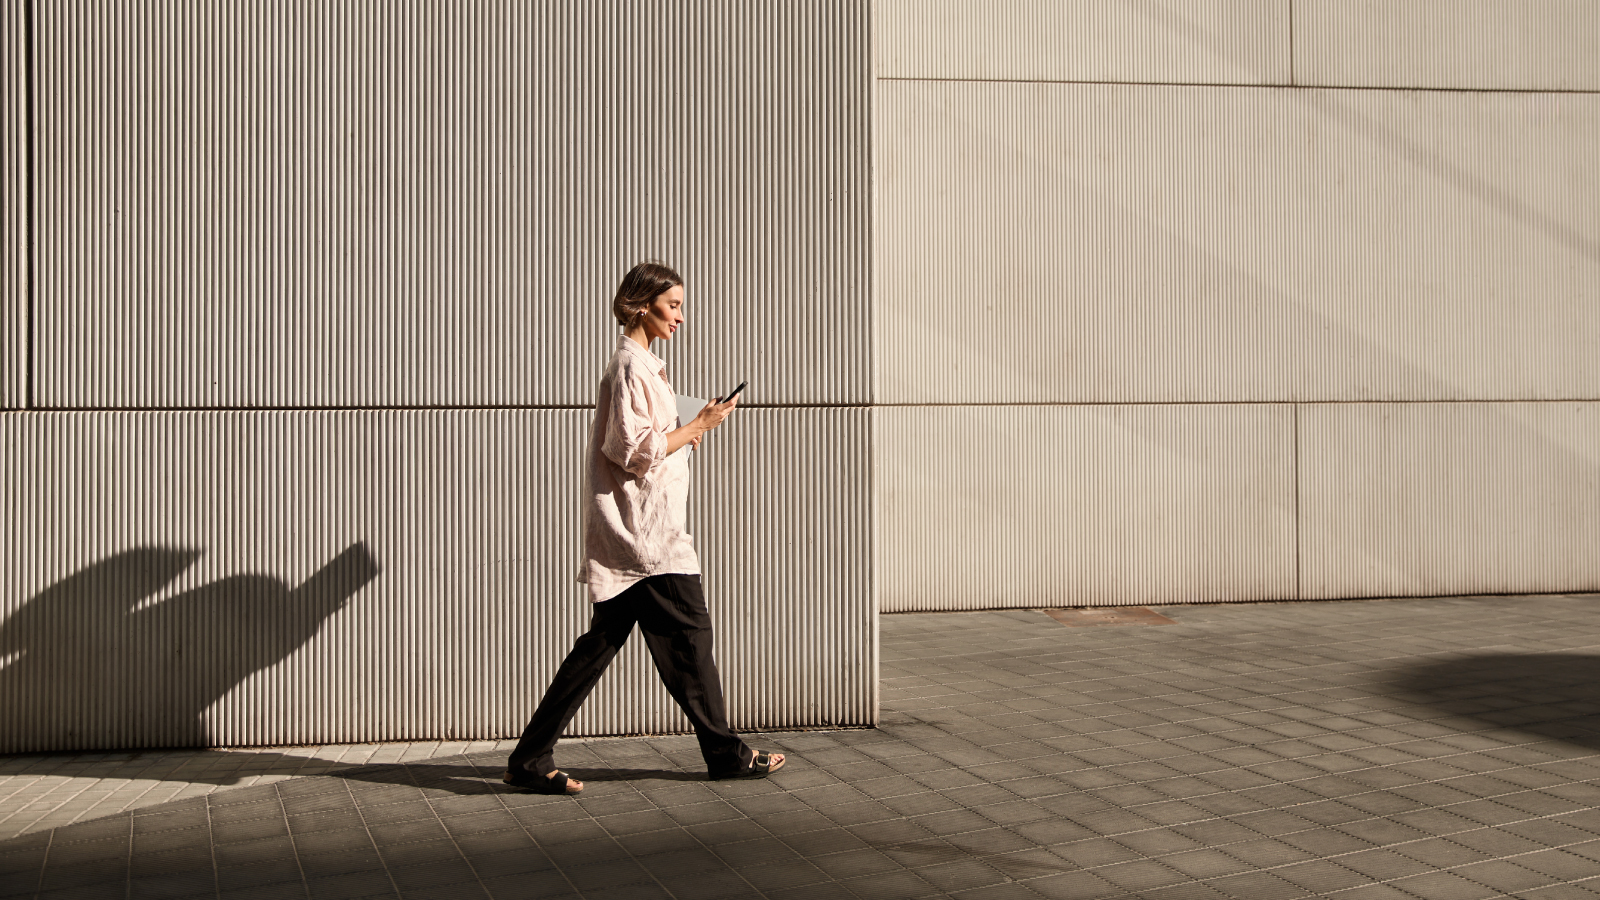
column 1173, row 41
column 983, row 507
column 1549, row 45
column 370, row 204
column 1051, row 242
column 1458, row 498
column 203, row 578
column 14, row 210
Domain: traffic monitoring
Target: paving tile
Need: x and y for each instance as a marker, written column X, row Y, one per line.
column 1444, row 884
column 1549, row 832
column 1557, row 863
column 855, row 863
column 1072, row 886
column 1505, row 876
column 1140, row 875
column 1258, row 886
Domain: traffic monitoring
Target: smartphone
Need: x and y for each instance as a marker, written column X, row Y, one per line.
column 734, row 393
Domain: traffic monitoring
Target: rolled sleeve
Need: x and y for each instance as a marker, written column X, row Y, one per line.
column 632, row 440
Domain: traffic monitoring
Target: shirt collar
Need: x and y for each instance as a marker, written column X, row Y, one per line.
column 627, row 344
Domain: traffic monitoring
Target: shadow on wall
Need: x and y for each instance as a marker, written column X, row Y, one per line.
column 1554, row 695
column 89, row 669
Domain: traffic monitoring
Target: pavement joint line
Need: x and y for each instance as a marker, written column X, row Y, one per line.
column 426, row 798
column 366, row 827
column 500, row 797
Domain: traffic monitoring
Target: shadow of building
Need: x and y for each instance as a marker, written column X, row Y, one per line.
column 1554, row 695
column 90, row 669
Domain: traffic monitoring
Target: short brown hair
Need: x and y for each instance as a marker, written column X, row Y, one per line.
column 642, row 285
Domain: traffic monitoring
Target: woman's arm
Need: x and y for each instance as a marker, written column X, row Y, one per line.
column 710, row 416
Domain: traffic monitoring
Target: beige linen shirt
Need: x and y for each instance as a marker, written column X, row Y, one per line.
column 636, row 497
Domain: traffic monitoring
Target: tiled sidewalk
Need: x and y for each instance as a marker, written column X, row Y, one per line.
column 1434, row 749
column 45, row 791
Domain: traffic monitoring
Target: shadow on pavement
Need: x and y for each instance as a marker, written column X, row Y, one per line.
column 1554, row 695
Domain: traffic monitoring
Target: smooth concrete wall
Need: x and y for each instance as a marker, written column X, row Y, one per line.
column 1449, row 498
column 1497, row 45
column 328, row 292
column 1127, row 243
column 229, row 578
column 1405, row 284
column 1084, row 505
column 1187, row 41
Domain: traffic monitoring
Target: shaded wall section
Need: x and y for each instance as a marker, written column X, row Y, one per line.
column 307, row 577
column 1218, row 223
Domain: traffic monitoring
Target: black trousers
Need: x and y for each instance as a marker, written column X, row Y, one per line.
column 671, row 611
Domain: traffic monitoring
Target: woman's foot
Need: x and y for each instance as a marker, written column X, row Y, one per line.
column 557, row 782
column 761, row 766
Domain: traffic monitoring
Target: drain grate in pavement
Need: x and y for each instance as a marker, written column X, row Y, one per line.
column 1109, row 615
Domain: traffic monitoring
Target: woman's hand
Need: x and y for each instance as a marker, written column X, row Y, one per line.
column 710, row 416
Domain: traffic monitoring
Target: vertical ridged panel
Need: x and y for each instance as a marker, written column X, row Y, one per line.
column 1058, row 242
column 983, row 507
column 780, row 514
column 14, row 244
column 1482, row 44
column 371, row 204
column 1172, row 41
column 157, row 588
column 1459, row 498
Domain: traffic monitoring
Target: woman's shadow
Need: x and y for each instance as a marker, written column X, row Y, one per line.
column 88, row 668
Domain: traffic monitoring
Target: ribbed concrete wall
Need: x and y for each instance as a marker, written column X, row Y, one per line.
column 399, row 227
column 426, row 204
column 227, row 578
column 1181, row 221
column 14, row 243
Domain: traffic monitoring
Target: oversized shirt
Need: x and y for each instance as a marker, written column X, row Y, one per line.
column 636, row 497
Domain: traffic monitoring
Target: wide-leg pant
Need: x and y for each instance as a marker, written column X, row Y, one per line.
column 671, row 612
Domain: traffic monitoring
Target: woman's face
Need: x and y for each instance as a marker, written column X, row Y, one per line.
column 664, row 314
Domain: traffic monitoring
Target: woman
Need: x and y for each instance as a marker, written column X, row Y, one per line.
column 639, row 562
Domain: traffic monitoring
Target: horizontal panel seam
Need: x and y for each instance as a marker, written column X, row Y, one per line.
column 1164, row 603
column 1235, row 403
column 1250, row 85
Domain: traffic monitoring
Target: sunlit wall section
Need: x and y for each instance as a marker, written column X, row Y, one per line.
column 14, row 244
column 429, row 204
column 1243, row 214
column 321, row 304
column 1489, row 45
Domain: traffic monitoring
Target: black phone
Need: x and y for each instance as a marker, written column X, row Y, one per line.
column 734, row 393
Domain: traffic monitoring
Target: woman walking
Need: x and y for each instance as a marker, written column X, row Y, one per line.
column 639, row 562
